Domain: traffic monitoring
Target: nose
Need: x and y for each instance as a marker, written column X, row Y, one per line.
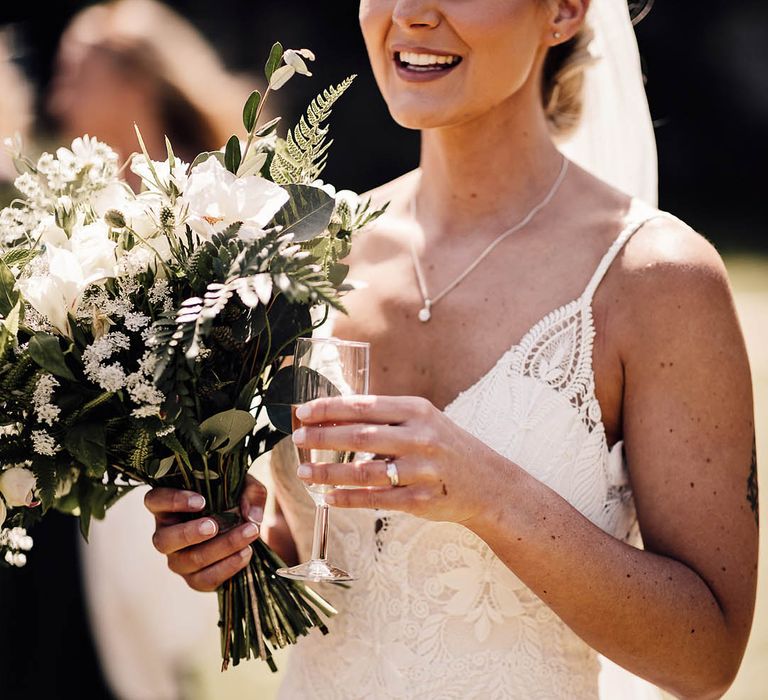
column 415, row 14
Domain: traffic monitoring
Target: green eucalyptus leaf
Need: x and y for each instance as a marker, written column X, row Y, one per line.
column 224, row 431
column 166, row 464
column 232, row 155
column 337, row 273
column 274, row 60
column 306, row 214
column 200, row 474
column 87, row 443
column 218, row 155
column 250, row 110
column 46, row 351
column 9, row 295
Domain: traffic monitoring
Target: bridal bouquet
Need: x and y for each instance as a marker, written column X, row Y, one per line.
column 143, row 335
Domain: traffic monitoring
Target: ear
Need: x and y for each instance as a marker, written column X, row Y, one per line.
column 566, row 19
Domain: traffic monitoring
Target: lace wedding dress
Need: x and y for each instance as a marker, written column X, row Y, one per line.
column 434, row 613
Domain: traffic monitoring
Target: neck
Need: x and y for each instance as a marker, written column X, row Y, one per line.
column 488, row 172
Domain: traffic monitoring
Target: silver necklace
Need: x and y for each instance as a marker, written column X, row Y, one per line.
column 426, row 312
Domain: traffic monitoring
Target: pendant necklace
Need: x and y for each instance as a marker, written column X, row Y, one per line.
column 426, row 312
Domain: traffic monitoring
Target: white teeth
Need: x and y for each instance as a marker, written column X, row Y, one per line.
column 426, row 59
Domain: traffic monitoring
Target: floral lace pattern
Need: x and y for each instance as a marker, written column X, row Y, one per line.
column 435, row 614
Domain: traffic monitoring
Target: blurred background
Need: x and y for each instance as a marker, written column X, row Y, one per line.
column 74, row 68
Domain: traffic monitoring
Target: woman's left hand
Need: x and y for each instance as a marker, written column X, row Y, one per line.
column 439, row 465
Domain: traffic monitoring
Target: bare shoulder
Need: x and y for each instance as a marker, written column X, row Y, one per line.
column 667, row 251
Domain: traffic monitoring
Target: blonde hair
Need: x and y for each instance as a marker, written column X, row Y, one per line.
column 563, row 82
column 199, row 99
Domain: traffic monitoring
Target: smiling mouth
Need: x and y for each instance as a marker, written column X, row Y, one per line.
column 426, row 62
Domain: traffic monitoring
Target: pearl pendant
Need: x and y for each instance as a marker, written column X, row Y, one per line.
column 425, row 314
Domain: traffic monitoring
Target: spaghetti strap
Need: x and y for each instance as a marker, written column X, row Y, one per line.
column 645, row 214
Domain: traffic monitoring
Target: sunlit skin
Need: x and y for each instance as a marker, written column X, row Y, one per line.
column 671, row 372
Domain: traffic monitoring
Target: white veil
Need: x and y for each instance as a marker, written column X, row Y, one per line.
column 615, row 139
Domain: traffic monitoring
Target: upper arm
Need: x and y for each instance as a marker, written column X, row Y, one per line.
column 688, row 415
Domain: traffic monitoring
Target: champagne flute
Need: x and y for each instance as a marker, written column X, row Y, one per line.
column 324, row 367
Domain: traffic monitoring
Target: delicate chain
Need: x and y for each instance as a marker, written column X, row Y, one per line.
column 425, row 313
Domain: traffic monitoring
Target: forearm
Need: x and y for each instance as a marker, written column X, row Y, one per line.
column 651, row 614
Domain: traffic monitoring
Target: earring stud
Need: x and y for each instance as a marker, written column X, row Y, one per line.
column 557, row 35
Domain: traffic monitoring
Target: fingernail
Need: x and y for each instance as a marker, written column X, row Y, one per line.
column 250, row 530
column 304, row 471
column 196, row 502
column 303, row 412
column 299, row 436
column 245, row 553
column 207, row 527
column 256, row 515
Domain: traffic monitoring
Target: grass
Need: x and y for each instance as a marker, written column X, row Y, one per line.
column 749, row 278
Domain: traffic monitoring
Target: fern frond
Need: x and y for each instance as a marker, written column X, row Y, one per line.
column 302, row 157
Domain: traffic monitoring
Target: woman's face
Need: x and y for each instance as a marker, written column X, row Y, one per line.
column 446, row 62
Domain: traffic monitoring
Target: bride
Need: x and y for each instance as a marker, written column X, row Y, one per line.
column 532, row 447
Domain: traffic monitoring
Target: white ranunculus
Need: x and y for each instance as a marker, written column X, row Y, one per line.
column 3, row 512
column 17, row 485
column 217, row 198
column 59, row 292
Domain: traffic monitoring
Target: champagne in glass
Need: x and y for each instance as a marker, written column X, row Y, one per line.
column 324, row 367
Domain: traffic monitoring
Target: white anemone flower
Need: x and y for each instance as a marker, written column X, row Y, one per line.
column 17, row 486
column 217, row 199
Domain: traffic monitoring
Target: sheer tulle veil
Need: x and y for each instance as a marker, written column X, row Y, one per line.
column 615, row 139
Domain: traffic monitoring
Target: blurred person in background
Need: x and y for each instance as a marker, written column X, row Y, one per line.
column 15, row 113
column 139, row 62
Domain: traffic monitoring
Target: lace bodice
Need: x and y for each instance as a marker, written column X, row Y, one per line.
column 435, row 614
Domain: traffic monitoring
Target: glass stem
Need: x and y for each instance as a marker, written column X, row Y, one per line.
column 320, row 538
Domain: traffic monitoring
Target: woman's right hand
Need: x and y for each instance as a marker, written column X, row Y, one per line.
column 199, row 550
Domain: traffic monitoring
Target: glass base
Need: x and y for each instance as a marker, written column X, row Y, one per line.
column 316, row 570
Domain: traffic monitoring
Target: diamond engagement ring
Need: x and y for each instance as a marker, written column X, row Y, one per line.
column 392, row 475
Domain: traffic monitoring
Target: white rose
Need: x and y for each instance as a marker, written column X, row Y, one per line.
column 3, row 512
column 94, row 250
column 217, row 198
column 17, row 485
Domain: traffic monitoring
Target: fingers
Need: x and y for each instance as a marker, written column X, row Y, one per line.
column 171, row 538
column 252, row 500
column 359, row 437
column 210, row 578
column 360, row 473
column 410, row 499
column 363, row 409
column 163, row 503
column 203, row 556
